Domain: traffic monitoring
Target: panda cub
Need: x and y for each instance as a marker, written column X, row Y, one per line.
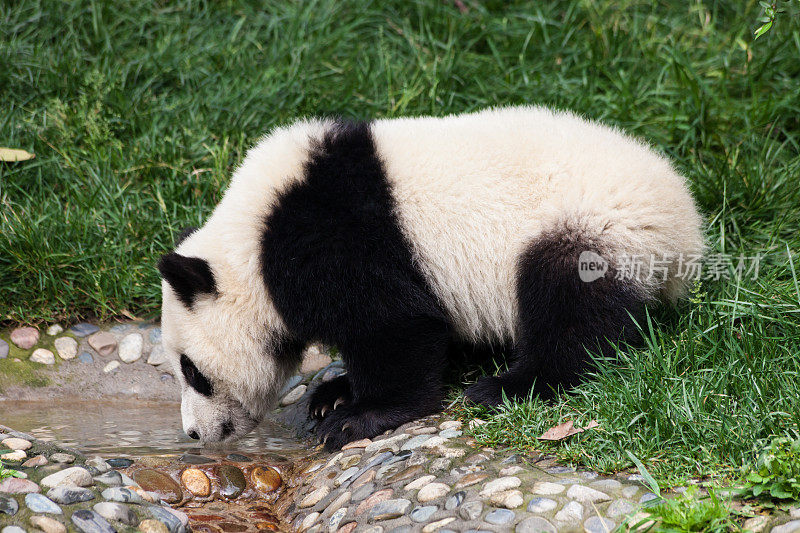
column 393, row 239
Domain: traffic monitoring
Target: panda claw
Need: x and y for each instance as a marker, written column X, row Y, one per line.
column 337, row 403
column 346, row 426
column 323, row 411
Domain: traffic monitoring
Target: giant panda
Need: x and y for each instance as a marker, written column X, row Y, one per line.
column 391, row 239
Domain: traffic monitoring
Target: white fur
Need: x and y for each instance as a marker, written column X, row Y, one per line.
column 472, row 191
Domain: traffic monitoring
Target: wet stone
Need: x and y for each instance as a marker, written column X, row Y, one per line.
column 455, row 500
column 8, row 505
column 192, row 459
column 70, row 494
column 83, row 329
column 422, row 514
column 41, row 504
column 161, row 484
column 121, row 494
column 14, row 485
column 541, row 505
column 291, row 383
column 111, row 478
column 196, row 482
column 595, row 524
column 535, row 524
column 119, row 462
column 25, row 338
column 86, row 357
column 238, row 458
column 389, row 509
column 47, row 524
column 231, row 481
column 163, row 515
column 294, row 395
column 265, row 479
column 500, row 517
column 116, row 512
column 103, row 343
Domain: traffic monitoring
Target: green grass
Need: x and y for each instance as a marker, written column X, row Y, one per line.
column 138, row 112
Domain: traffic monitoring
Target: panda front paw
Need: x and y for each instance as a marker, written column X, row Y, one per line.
column 329, row 396
column 346, row 424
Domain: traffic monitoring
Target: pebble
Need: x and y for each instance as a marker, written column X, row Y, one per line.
column 3, row 349
column 585, row 494
column 374, row 499
column 619, row 508
column 756, row 524
column 83, row 329
column 455, row 500
column 13, row 485
column 152, row 526
column 116, row 512
column 788, row 527
column 130, row 347
column 155, row 336
column 8, row 505
column 62, row 458
column 510, row 470
column 606, row 484
column 649, row 496
column 345, row 476
column 470, row 479
column 39, row 503
column 470, row 510
column 391, row 443
column 560, row 470
column 158, row 355
column 168, row 517
column 15, row 443
column 119, row 462
column 47, row 524
column 500, row 484
column 309, row 521
column 67, row 347
column 336, row 518
column 314, row 497
column 238, row 458
column 510, row 499
column 432, row 491
column 163, row 485
column 39, row 460
column 415, row 442
column 66, row 495
column 196, row 481
column 294, row 395
column 103, row 343
column 439, row 464
column 535, row 524
column 75, row 475
column 90, row 522
column 573, row 511
column 265, row 479
column 121, row 494
column 25, row 338
column 43, row 356
column 548, row 489
column 420, row 482
column 499, row 517
column 541, row 505
column 99, row 463
column 595, row 524
column 350, row 460
column 389, row 509
column 314, row 359
column 111, row 367
column 193, row 459
column 333, row 373
column 111, row 478
column 630, row 492
column 86, row 357
column 450, row 433
column 231, row 481
column 54, row 330
column 433, row 526
column 422, row 514
column 16, row 455
column 12, row 529
column 356, row 444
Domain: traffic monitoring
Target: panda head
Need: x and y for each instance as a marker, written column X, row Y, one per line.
column 225, row 346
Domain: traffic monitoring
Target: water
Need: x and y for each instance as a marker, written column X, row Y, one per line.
column 123, row 428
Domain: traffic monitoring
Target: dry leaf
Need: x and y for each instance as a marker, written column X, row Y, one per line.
column 12, row 155
column 566, row 429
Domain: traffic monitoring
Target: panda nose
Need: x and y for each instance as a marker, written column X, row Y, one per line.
column 193, row 434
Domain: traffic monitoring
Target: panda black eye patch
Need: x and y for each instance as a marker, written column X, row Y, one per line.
column 195, row 378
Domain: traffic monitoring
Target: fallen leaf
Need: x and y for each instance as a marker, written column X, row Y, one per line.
column 566, row 429
column 12, row 155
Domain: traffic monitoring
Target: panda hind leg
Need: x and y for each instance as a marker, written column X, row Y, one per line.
column 395, row 376
column 562, row 318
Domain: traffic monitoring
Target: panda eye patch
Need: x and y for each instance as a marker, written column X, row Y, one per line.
column 195, row 378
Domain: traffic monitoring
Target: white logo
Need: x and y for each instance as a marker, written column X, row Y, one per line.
column 591, row 266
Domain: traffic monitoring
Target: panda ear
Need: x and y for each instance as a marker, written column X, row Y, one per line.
column 184, row 233
column 189, row 277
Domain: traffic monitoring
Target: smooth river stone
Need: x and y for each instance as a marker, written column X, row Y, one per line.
column 47, row 524
column 116, row 511
column 90, row 522
column 8, row 505
column 121, row 494
column 3, row 349
column 265, row 479
column 231, row 481
column 83, row 329
column 192, row 459
column 70, row 494
column 43, row 356
column 103, row 343
column 14, row 485
column 119, row 462
column 15, row 443
column 67, row 347
column 196, row 481
column 163, row 485
column 25, row 338
column 41, row 504
column 130, row 347
column 39, row 460
column 75, row 475
column 163, row 514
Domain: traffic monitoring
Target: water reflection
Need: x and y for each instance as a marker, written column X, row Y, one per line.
column 129, row 428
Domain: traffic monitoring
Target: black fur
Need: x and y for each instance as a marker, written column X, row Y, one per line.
column 194, row 378
column 184, row 233
column 188, row 276
column 560, row 318
column 340, row 271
